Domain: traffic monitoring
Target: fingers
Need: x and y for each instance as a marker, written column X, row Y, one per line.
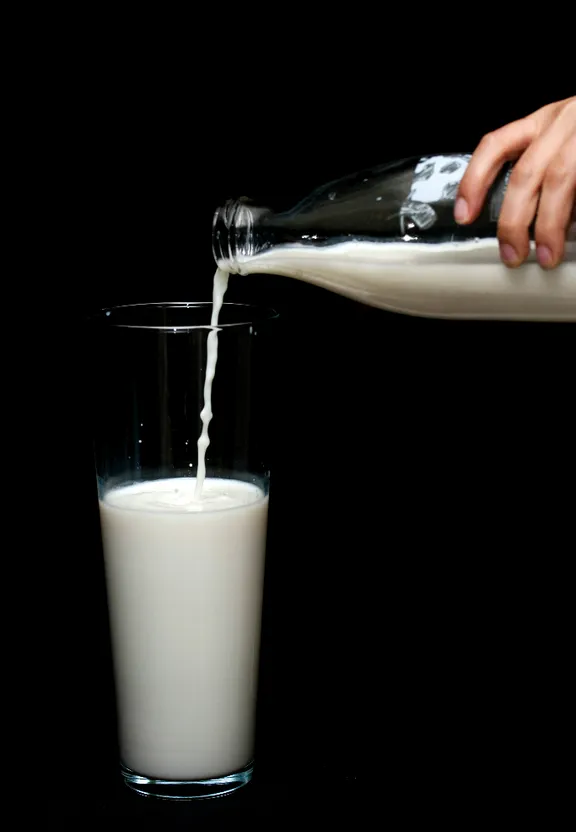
column 503, row 145
column 557, row 205
column 545, row 157
column 542, row 183
column 494, row 150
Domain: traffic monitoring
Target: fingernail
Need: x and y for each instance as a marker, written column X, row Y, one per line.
column 544, row 255
column 461, row 210
column 508, row 253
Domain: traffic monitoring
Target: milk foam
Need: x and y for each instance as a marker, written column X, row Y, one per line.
column 178, row 495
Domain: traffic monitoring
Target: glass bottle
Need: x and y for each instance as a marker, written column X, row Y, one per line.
column 387, row 237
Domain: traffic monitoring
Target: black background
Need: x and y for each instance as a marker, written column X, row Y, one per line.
column 413, row 649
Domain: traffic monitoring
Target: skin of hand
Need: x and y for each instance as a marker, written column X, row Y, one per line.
column 542, row 184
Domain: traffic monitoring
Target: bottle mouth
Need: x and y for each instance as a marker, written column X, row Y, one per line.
column 232, row 234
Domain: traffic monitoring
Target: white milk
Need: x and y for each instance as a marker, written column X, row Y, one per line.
column 218, row 292
column 451, row 280
column 184, row 580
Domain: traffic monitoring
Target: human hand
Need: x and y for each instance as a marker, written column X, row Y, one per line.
column 542, row 183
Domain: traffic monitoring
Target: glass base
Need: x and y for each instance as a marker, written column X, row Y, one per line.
column 187, row 789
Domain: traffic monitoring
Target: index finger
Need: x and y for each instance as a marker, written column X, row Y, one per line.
column 493, row 151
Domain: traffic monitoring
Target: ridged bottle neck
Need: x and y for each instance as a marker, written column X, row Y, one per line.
column 236, row 235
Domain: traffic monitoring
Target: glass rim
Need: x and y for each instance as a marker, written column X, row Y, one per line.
column 254, row 314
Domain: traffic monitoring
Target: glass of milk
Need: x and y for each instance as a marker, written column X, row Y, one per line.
column 184, row 565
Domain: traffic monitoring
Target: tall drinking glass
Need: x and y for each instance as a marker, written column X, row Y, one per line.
column 184, row 572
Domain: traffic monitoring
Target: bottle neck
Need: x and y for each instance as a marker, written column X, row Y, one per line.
column 236, row 233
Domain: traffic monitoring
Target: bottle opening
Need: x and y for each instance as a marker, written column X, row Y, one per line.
column 232, row 234
column 240, row 230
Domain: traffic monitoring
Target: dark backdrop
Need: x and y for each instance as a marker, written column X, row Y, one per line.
column 412, row 620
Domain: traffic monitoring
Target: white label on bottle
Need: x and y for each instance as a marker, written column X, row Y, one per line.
column 436, row 178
